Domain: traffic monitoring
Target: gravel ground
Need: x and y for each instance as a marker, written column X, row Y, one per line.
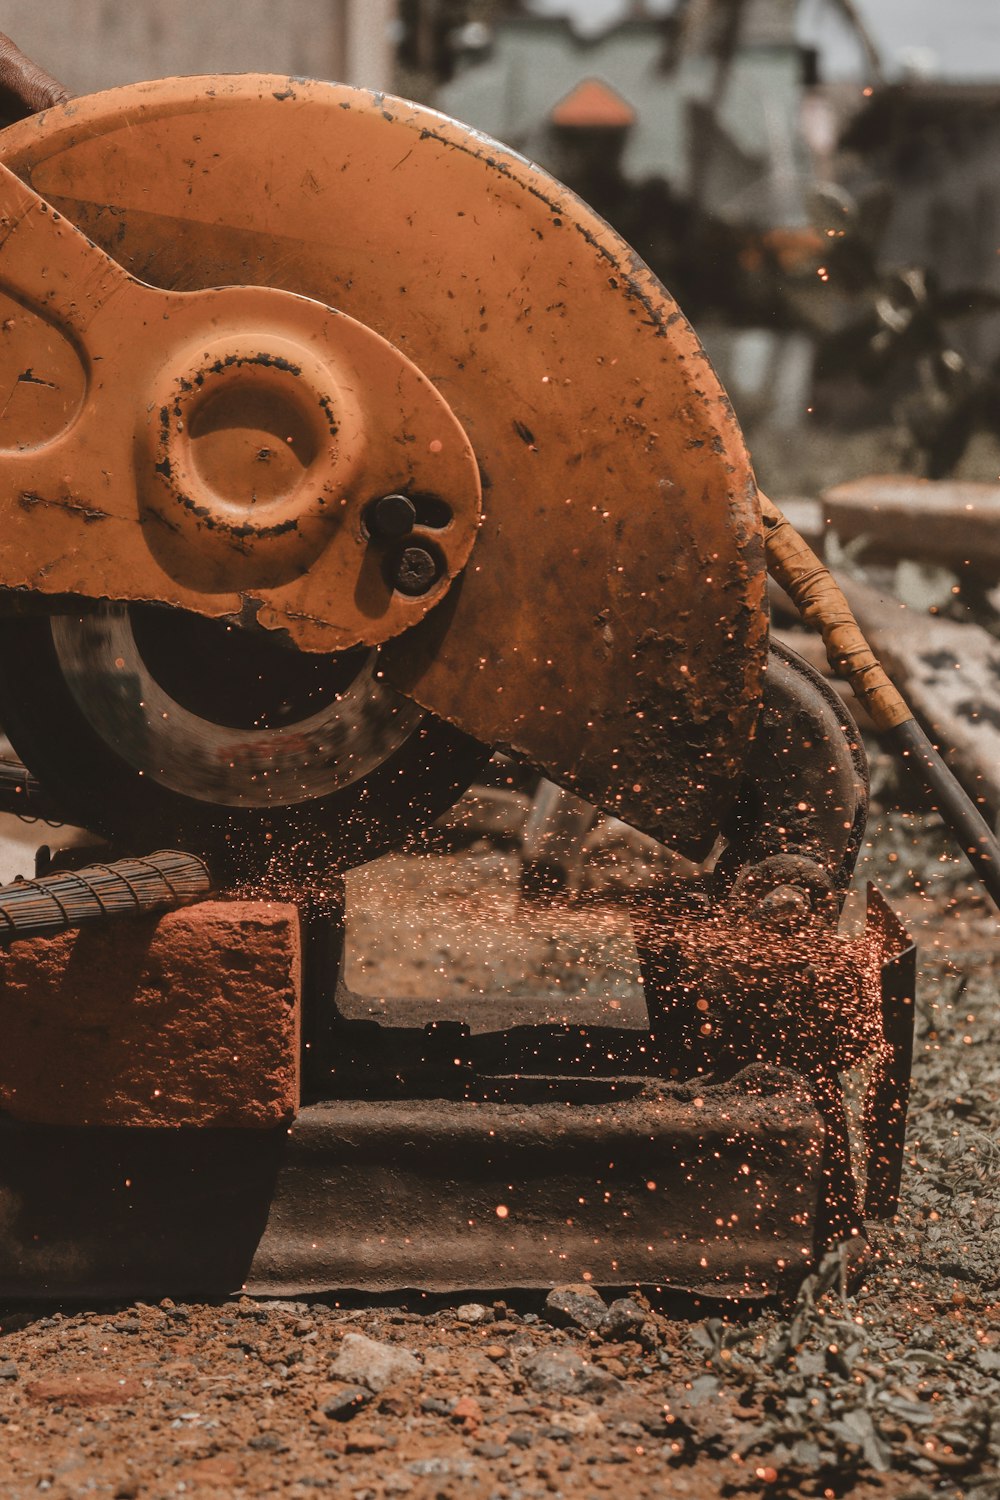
column 894, row 1390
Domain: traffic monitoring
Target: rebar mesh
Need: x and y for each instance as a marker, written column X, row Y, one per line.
column 71, row 898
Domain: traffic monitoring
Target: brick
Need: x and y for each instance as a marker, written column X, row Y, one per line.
column 191, row 1018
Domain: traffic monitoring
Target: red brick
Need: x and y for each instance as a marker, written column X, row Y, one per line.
column 186, row 1019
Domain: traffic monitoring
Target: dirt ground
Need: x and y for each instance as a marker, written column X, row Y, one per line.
column 893, row 1391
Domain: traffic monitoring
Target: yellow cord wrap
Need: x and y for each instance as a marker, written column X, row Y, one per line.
column 820, row 601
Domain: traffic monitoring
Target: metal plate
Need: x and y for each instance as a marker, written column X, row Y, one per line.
column 610, row 624
column 387, row 1195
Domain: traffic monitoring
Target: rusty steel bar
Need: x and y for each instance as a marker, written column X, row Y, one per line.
column 127, row 887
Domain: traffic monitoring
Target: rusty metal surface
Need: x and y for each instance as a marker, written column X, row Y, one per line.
column 224, row 450
column 384, row 1195
column 806, row 789
column 888, row 1097
column 609, row 623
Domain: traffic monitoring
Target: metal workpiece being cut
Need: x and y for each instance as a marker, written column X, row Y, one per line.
column 340, row 448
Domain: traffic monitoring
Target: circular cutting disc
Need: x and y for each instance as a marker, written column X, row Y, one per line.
column 150, row 725
column 609, row 624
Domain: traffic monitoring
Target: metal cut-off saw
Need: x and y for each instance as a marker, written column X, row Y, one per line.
column 341, row 447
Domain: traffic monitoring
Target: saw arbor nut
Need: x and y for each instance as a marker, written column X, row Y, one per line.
column 247, row 449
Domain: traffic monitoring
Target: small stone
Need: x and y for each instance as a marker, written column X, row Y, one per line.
column 436, row 1406
column 341, row 1401
column 489, row 1450
column 84, row 1390
column 520, row 1437
column 437, row 1465
column 362, row 1361
column 561, row 1372
column 395, row 1403
column 267, row 1442
column 366, row 1442
column 8, row 1370
column 127, row 1490
column 573, row 1425
column 467, row 1412
column 496, row 1351
column 624, row 1319
column 474, row 1312
column 576, row 1305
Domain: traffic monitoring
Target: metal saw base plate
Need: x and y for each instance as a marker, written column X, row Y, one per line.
column 433, row 1194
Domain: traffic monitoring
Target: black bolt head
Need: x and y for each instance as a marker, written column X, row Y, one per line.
column 417, row 571
column 391, row 518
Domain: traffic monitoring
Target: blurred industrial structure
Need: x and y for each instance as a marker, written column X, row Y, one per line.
column 96, row 44
column 833, row 238
column 651, row 94
column 699, row 136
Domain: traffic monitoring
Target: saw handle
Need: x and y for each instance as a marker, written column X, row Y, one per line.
column 821, row 602
column 25, row 88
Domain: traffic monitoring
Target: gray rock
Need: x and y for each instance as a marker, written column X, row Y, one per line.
column 561, row 1372
column 438, row 1465
column 436, row 1406
column 489, row 1450
column 577, row 1305
column 267, row 1442
column 624, row 1319
column 343, row 1404
column 474, row 1312
column 362, row 1361
column 8, row 1370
